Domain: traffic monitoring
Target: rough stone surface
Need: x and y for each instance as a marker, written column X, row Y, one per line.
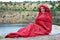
column 47, row 37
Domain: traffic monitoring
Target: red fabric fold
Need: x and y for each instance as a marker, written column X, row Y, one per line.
column 42, row 25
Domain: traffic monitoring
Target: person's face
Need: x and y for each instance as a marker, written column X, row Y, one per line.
column 42, row 9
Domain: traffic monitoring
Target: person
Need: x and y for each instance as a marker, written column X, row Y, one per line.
column 41, row 26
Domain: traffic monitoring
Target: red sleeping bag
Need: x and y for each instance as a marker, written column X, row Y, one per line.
column 42, row 25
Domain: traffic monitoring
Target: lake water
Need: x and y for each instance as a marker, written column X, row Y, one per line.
column 7, row 28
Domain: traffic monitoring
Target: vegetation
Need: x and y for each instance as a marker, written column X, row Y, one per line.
column 31, row 6
column 15, row 6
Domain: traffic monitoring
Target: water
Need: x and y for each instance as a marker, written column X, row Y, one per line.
column 7, row 28
column 55, row 30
